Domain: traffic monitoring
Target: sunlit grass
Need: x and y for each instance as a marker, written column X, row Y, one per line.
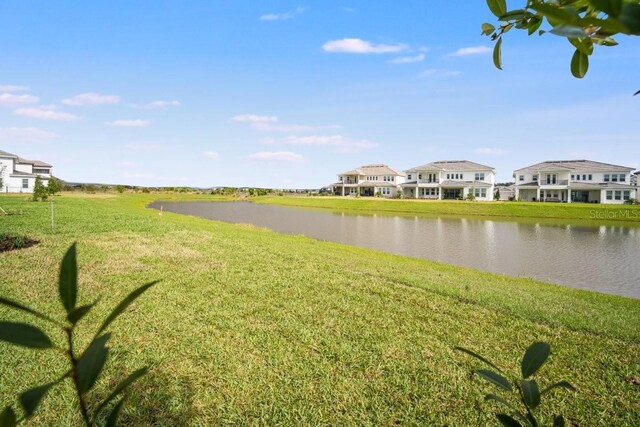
column 251, row 327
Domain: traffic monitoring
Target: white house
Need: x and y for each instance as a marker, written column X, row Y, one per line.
column 19, row 175
column 450, row 180
column 368, row 181
column 569, row 181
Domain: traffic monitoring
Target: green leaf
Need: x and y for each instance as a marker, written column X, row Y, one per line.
column 558, row 421
column 555, row 14
column 17, row 305
column 579, row 65
column 610, row 7
column 124, row 304
column 122, row 386
column 585, row 45
column 31, row 398
column 8, row 418
column 112, row 419
column 91, row 363
column 498, row 399
column 477, row 356
column 571, row 31
column 488, row 29
column 534, row 24
column 561, row 384
column 24, row 335
column 79, row 312
column 611, row 25
column 497, row 7
column 531, row 393
column 508, row 421
column 494, row 378
column 534, row 358
column 513, row 15
column 630, row 17
column 497, row 54
column 68, row 285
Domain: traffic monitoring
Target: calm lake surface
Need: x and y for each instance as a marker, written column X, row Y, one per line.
column 600, row 258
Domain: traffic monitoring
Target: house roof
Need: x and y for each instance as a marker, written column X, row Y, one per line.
column 574, row 166
column 451, row 165
column 373, row 170
column 465, row 184
column 20, row 173
column 6, row 154
column 33, row 162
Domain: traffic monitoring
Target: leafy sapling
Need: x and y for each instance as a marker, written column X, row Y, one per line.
column 85, row 366
column 526, row 390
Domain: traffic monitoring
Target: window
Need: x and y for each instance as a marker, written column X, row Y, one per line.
column 573, row 177
column 590, row 177
column 614, row 178
column 606, row 177
column 577, row 177
column 584, row 177
column 461, row 176
column 623, row 177
column 626, row 195
column 618, row 195
column 609, row 195
column 479, row 177
column 25, row 183
column 521, row 178
column 409, row 177
column 385, row 191
column 340, row 179
column 535, row 178
column 448, row 176
column 419, row 176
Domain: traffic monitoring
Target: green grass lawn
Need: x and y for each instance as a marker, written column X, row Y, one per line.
column 251, row 327
column 575, row 212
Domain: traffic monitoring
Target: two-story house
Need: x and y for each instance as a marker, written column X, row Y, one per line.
column 569, row 181
column 369, row 180
column 450, row 180
column 19, row 175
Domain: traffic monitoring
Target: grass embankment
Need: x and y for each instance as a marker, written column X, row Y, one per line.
column 629, row 215
column 251, row 327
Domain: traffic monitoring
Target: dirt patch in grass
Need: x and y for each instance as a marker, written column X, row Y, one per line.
column 10, row 242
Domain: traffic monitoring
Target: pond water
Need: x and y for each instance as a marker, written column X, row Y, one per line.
column 600, row 258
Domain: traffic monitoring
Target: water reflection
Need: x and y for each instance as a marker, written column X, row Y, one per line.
column 601, row 258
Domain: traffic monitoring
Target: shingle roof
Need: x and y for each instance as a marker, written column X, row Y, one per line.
column 575, row 166
column 373, row 170
column 34, row 162
column 5, row 154
column 451, row 165
column 20, row 173
column 465, row 184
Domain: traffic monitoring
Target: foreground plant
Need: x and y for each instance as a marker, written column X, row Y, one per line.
column 85, row 366
column 527, row 392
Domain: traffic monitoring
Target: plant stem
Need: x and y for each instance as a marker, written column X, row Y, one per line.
column 74, row 376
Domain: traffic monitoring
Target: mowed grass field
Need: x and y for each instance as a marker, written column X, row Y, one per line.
column 576, row 212
column 251, row 327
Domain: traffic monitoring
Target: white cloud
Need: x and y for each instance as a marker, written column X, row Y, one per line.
column 11, row 99
column 253, row 118
column 489, row 151
column 474, row 50
column 13, row 88
column 287, row 156
column 438, row 73
column 90, row 99
column 157, row 105
column 339, row 143
column 361, row 47
column 130, row 175
column 142, row 146
column 26, row 134
column 134, row 123
column 408, row 59
column 213, row 155
column 282, row 16
column 46, row 112
column 270, row 124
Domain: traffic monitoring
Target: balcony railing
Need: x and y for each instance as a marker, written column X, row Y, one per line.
column 554, row 182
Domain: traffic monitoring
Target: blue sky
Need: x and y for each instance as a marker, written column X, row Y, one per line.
column 288, row 94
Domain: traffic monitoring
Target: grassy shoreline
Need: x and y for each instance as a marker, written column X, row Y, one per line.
column 254, row 327
column 587, row 213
